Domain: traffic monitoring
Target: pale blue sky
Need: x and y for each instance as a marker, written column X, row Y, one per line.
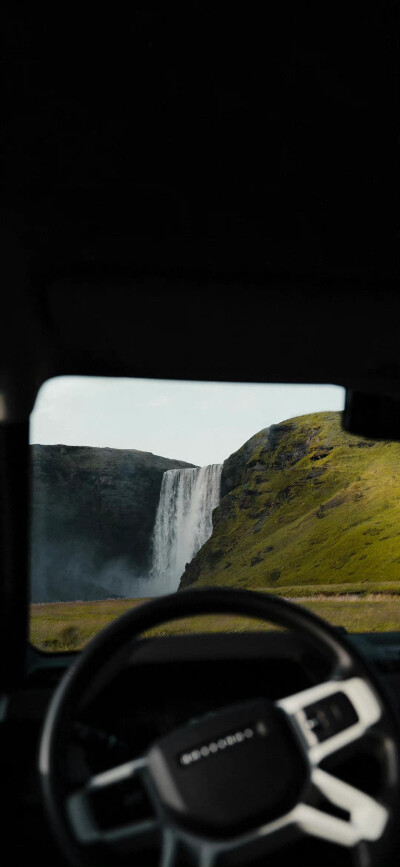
column 198, row 422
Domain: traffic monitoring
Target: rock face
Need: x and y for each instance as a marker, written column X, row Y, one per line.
column 93, row 513
column 304, row 503
column 234, row 468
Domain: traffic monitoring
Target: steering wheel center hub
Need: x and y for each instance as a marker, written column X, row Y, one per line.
column 230, row 770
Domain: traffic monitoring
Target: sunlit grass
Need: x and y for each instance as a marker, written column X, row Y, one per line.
column 65, row 626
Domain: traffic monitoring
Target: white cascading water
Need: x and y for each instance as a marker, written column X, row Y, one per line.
column 183, row 522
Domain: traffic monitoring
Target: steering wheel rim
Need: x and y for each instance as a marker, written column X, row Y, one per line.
column 350, row 673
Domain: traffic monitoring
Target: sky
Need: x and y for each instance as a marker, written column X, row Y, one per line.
column 198, row 422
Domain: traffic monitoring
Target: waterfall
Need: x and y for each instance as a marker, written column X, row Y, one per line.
column 183, row 521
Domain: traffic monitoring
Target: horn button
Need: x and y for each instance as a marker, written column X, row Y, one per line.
column 231, row 770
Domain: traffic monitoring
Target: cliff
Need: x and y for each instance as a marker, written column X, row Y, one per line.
column 93, row 513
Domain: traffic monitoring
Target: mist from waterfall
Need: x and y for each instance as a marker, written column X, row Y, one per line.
column 183, row 522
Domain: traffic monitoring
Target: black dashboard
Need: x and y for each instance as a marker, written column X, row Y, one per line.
column 164, row 683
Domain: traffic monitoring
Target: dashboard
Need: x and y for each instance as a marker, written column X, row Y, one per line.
column 165, row 683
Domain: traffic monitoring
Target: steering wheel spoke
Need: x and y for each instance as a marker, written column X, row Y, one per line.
column 367, row 821
column 207, row 853
column 367, row 817
column 123, row 788
column 331, row 715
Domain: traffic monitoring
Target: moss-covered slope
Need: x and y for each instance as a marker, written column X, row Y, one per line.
column 304, row 503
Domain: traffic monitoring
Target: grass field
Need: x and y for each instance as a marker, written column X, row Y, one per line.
column 64, row 626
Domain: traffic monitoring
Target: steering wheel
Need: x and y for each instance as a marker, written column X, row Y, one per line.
column 237, row 781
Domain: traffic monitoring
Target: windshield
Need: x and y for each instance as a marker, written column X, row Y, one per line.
column 147, row 487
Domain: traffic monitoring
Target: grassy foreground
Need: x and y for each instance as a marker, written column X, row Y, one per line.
column 63, row 626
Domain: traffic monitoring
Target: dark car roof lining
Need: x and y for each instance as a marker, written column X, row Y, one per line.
column 167, row 313
column 196, row 195
column 226, row 328
column 206, row 326
column 193, row 194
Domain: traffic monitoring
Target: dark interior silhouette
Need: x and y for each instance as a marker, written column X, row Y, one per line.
column 171, row 173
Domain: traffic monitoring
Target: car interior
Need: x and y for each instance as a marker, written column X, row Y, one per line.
column 204, row 195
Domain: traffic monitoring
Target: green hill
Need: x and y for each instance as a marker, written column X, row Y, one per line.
column 304, row 504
